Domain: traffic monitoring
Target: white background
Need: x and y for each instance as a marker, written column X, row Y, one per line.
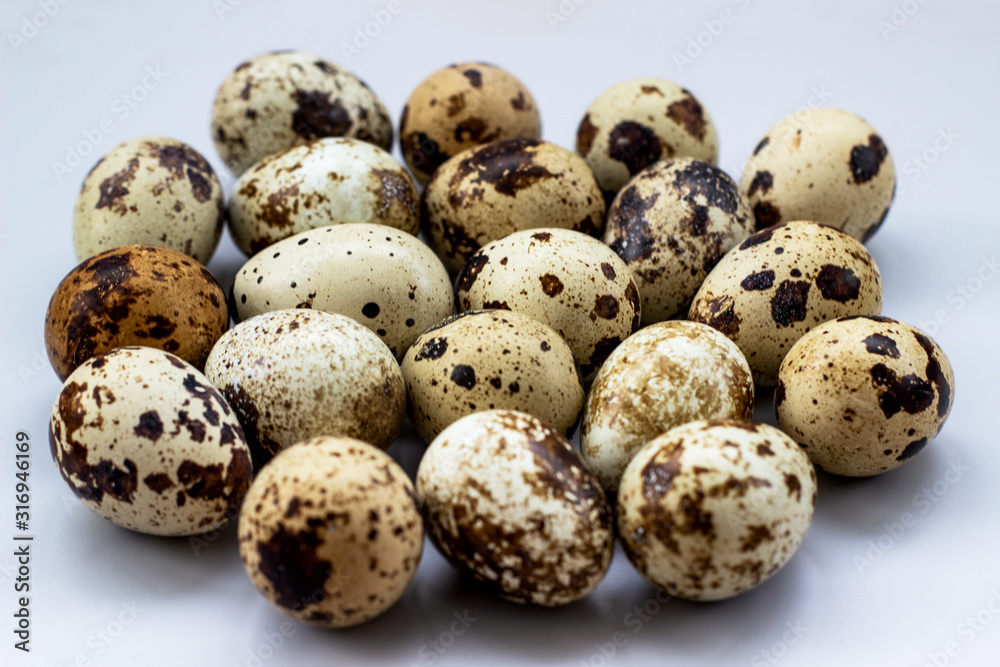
column 860, row 591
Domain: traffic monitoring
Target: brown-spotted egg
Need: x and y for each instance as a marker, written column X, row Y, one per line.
column 509, row 501
column 711, row 509
column 864, row 395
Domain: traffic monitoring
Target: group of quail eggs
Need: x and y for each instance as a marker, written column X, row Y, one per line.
column 630, row 287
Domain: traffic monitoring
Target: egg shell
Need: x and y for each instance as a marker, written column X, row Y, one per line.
column 134, row 295
column 484, row 360
column 864, row 395
column 296, row 374
column 287, row 98
column 325, row 182
column 461, row 106
column 713, row 508
column 821, row 164
column 781, row 282
column 385, row 279
column 641, row 121
column 154, row 191
column 664, row 375
column 567, row 280
column 330, row 532
column 145, row 441
column 671, row 224
column 509, row 501
column 487, row 192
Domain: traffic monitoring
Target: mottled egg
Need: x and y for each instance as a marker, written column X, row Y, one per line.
column 671, row 224
column 486, row 360
column 821, row 164
column 461, row 106
column 283, row 99
column 711, row 509
column 567, row 280
column 296, row 374
column 384, row 278
column 864, row 395
column 641, row 121
column 325, row 182
column 154, row 191
column 488, row 192
column 781, row 282
column 664, row 375
column 145, row 441
column 134, row 295
column 509, row 501
column 330, row 532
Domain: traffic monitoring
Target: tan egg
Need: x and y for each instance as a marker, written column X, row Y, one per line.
column 384, row 278
column 145, row 441
column 330, row 533
column 662, row 376
column 510, row 502
column 864, row 395
column 461, row 106
column 821, row 164
column 711, row 509
column 488, row 192
column 567, row 280
column 641, row 121
column 671, row 224
column 134, row 295
column 278, row 100
column 326, row 182
column 154, row 191
column 490, row 360
column 292, row 375
column 780, row 283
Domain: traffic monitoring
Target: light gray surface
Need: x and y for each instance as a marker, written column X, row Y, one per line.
column 863, row 589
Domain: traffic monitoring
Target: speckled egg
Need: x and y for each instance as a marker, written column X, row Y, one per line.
column 565, row 279
column 283, row 99
column 509, row 501
column 671, row 224
column 134, row 295
column 385, row 279
column 664, row 375
column 641, row 121
column 154, row 191
column 295, row 374
column 330, row 532
column 713, row 508
column 326, row 182
column 781, row 282
column 461, row 106
column 483, row 360
column 145, row 441
column 488, row 192
column 864, row 395
column 821, row 164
